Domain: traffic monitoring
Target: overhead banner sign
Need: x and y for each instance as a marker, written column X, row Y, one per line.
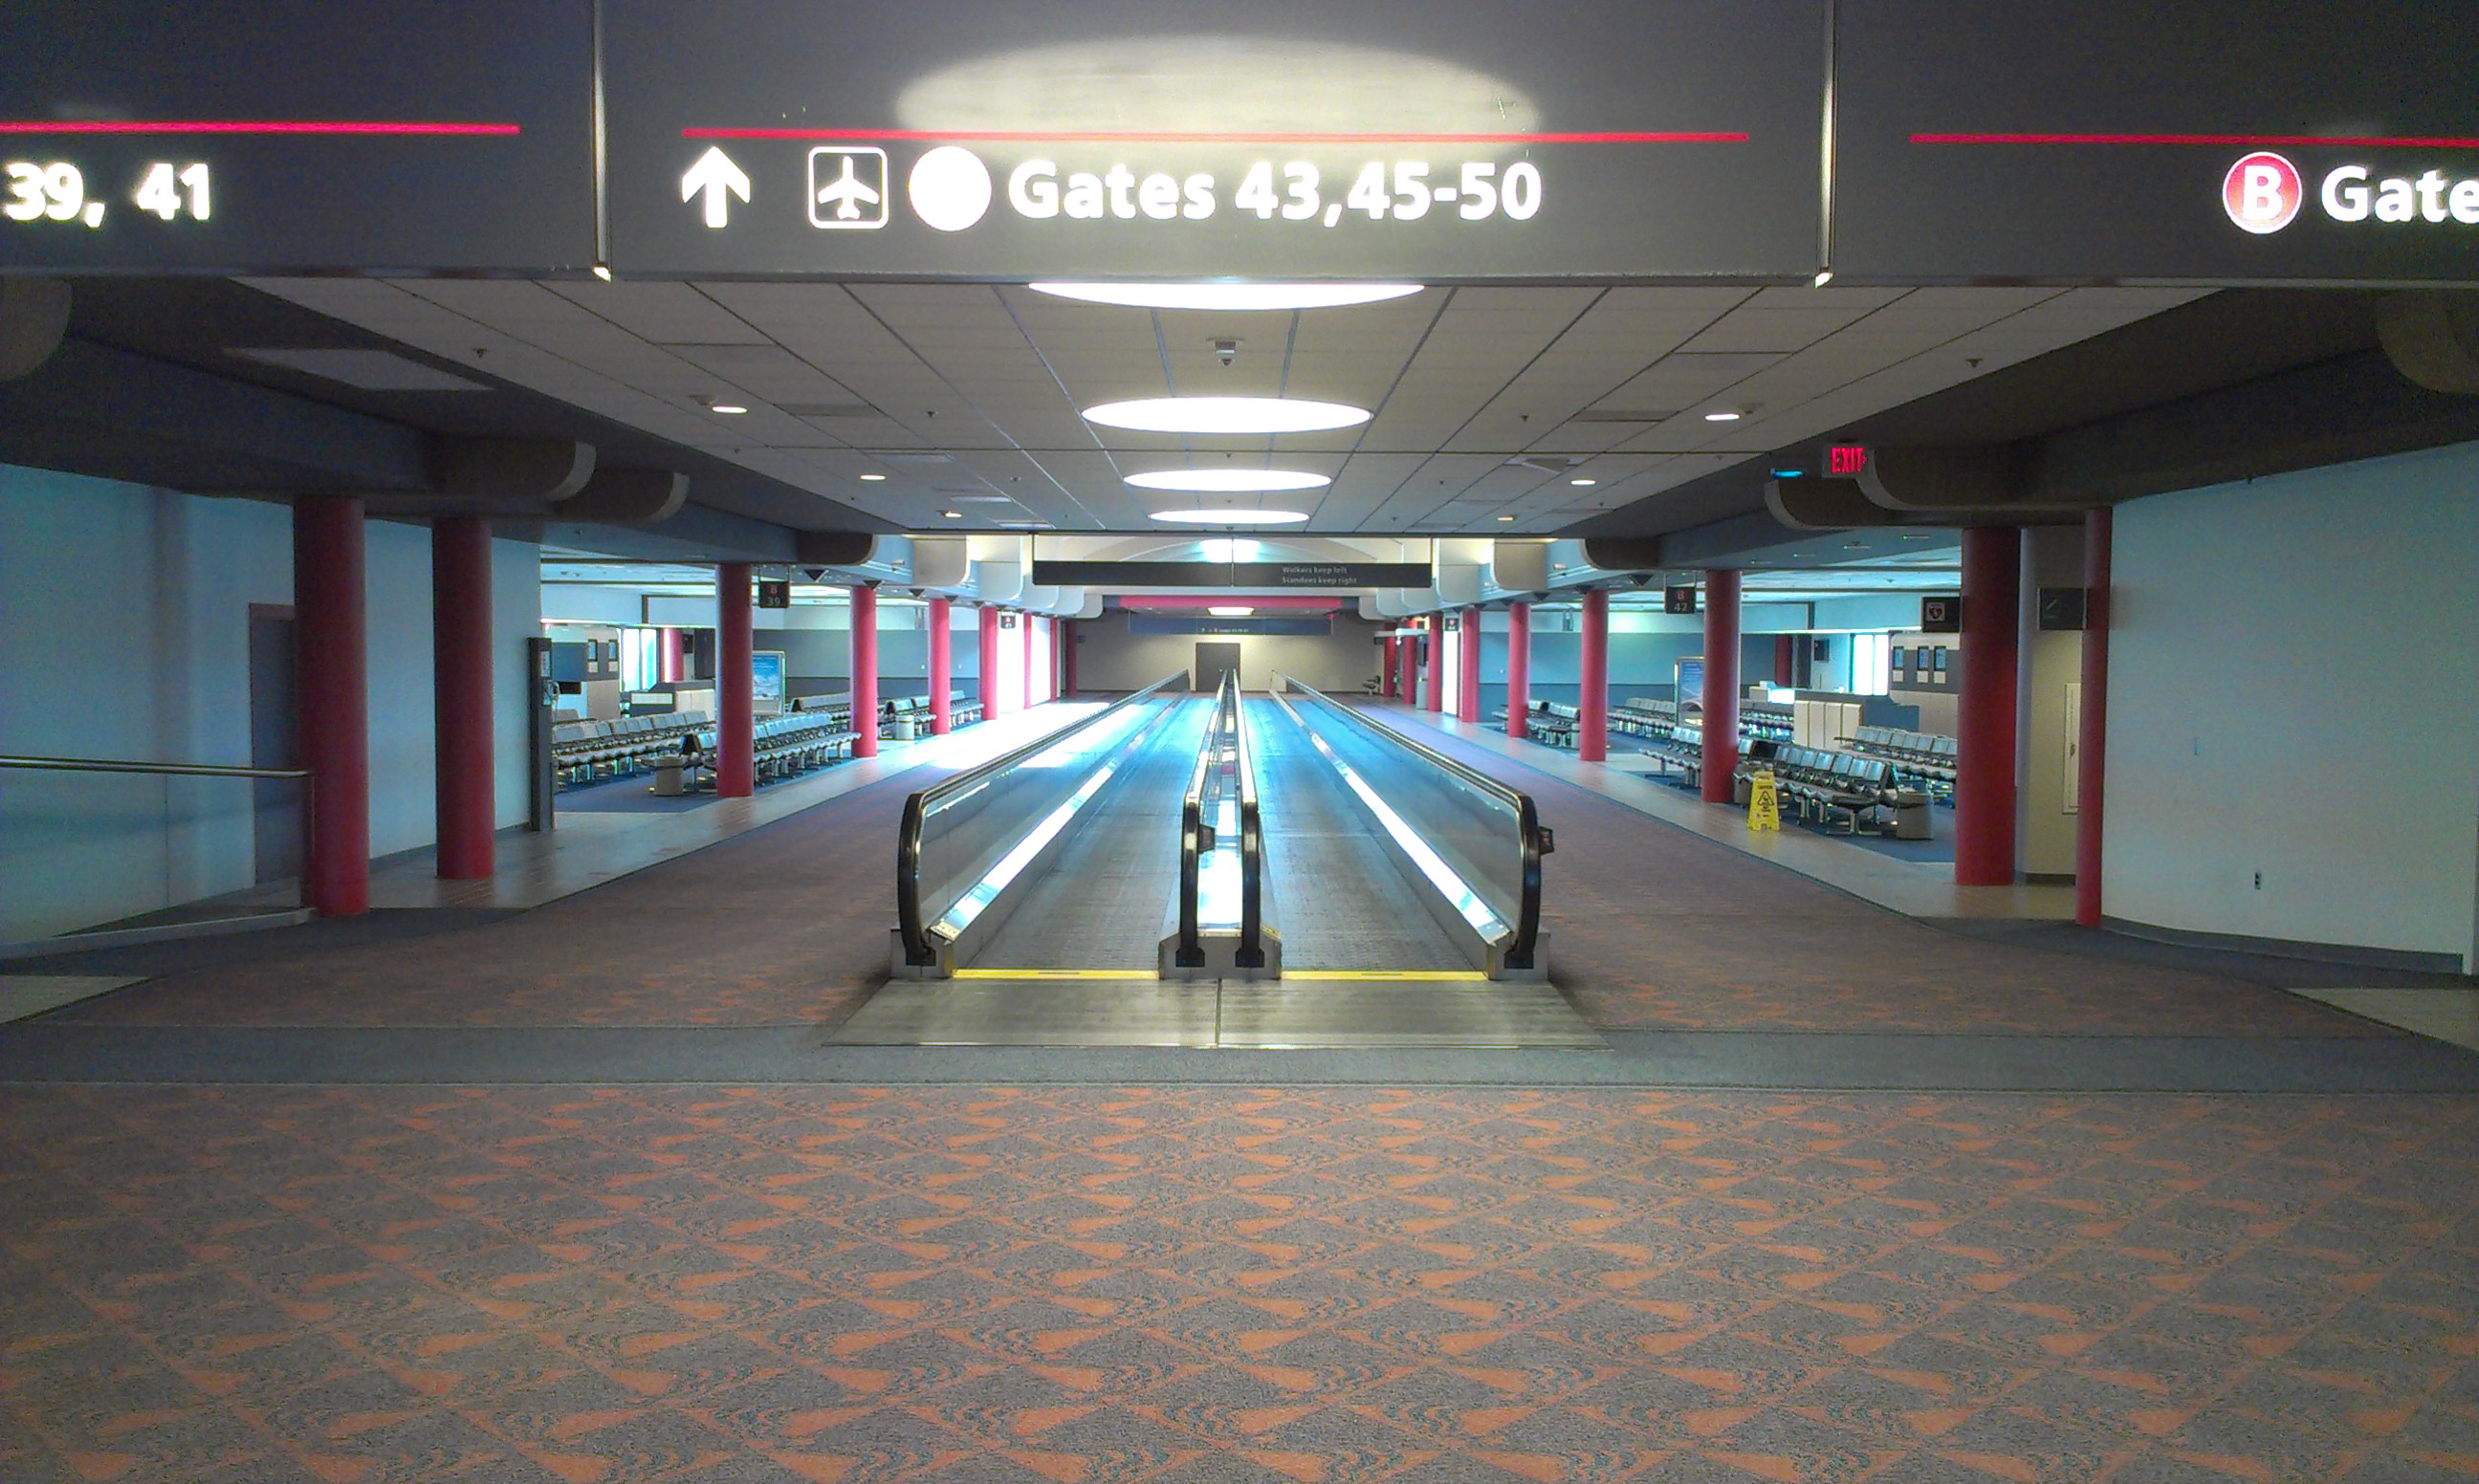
column 296, row 135
column 1255, row 574
column 1170, row 625
column 2210, row 140
column 936, row 139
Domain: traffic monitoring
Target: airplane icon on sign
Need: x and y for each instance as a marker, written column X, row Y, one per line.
column 842, row 182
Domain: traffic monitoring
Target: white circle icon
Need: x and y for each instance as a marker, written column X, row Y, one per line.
column 950, row 187
column 2262, row 193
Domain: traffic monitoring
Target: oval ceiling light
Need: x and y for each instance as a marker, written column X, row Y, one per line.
column 1228, row 481
column 1721, row 416
column 1232, row 611
column 1231, row 517
column 1229, row 295
column 1226, row 415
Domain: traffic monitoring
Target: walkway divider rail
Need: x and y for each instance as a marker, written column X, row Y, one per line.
column 1224, row 772
column 241, row 919
column 1476, row 840
column 965, row 839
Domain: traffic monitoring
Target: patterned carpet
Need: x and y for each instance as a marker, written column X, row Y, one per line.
column 1304, row 1285
column 1651, row 928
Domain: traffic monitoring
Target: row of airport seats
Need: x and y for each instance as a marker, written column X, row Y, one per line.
column 794, row 742
column 909, row 716
column 1921, row 756
column 1680, row 744
column 585, row 750
column 1819, row 783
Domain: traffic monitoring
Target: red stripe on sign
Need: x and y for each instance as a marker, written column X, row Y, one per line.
column 1140, row 137
column 245, row 126
column 2244, row 141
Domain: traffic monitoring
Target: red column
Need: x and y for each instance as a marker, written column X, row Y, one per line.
column 1593, row 706
column 1984, row 789
column 1468, row 682
column 331, row 693
column 1067, row 657
column 864, row 671
column 943, row 664
column 1721, row 698
column 675, row 657
column 1024, row 631
column 1436, row 699
column 1385, row 667
column 2091, row 748
column 467, row 789
column 1407, row 658
column 735, row 746
column 1050, row 662
column 1785, row 661
column 986, row 637
column 1519, row 666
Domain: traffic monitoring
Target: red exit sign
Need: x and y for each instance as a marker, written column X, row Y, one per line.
column 1845, row 459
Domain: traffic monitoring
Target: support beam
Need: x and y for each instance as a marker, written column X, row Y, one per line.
column 735, row 763
column 1825, row 504
column 627, row 496
column 1518, row 667
column 331, row 693
column 1984, row 754
column 467, row 788
column 864, row 671
column 1721, row 698
column 1593, row 705
column 2091, row 744
column 941, row 666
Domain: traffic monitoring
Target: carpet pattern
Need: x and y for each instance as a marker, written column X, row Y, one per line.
column 1651, row 928
column 1322, row 1286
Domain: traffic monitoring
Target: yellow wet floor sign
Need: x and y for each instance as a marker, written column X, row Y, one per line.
column 1764, row 805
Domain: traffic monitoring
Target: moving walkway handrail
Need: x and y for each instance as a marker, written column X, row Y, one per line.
column 918, row 807
column 1204, row 786
column 308, row 785
column 1529, row 835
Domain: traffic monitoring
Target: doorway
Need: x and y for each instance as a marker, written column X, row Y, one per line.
column 1213, row 661
column 274, row 742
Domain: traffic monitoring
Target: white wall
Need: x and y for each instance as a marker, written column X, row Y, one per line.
column 2291, row 692
column 1111, row 659
column 125, row 612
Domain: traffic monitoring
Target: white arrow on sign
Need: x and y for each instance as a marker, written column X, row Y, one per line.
column 717, row 176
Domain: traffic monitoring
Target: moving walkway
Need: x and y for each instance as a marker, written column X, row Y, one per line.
column 1273, row 870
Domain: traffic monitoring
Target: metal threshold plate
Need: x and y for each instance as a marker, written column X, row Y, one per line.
column 1371, row 1013
column 1307, row 1014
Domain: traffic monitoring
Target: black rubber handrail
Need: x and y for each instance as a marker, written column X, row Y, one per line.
column 1196, row 836
column 1251, row 952
column 917, row 948
column 1528, row 819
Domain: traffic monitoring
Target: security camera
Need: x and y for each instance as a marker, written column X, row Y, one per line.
column 1226, row 350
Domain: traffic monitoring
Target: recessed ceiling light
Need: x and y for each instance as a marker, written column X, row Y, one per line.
column 953, row 515
column 872, row 478
column 1229, row 480
column 1913, row 536
column 1226, row 415
column 1229, row 295
column 1231, row 613
column 1721, row 416
column 1506, row 517
column 1231, row 517
column 727, row 409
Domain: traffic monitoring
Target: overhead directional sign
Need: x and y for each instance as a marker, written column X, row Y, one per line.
column 279, row 134
column 1256, row 574
column 2210, row 140
column 1614, row 138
